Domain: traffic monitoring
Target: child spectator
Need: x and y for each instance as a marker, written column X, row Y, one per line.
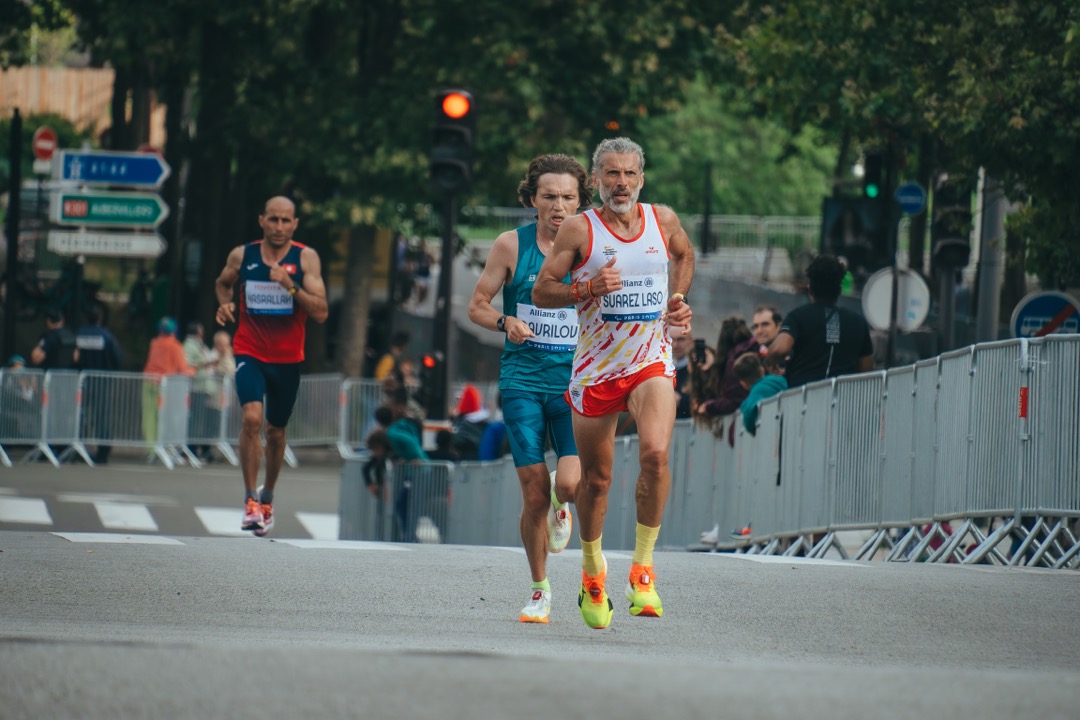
column 751, row 374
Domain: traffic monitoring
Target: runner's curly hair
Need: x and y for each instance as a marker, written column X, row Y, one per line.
column 557, row 164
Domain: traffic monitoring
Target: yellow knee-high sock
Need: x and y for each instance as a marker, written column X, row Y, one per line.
column 592, row 560
column 644, row 544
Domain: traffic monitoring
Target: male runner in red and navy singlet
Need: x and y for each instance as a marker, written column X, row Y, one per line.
column 281, row 286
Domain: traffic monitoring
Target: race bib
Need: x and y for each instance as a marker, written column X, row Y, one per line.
column 263, row 297
column 554, row 329
column 642, row 297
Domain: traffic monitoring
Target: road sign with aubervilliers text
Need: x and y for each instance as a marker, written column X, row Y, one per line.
column 105, row 209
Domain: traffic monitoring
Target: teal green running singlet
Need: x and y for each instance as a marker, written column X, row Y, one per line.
column 541, row 363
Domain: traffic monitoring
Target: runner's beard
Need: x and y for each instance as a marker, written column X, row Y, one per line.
column 619, row 207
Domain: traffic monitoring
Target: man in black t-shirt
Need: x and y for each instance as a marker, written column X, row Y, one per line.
column 55, row 350
column 822, row 340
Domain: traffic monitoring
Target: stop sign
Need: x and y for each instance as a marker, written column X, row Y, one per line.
column 44, row 142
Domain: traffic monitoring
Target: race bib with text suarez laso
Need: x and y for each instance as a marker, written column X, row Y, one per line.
column 263, row 297
column 641, row 297
column 554, row 329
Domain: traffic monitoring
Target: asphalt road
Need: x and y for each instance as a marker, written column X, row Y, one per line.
column 106, row 624
column 241, row 627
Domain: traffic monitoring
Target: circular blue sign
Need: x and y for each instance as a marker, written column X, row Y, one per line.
column 911, row 197
column 1045, row 312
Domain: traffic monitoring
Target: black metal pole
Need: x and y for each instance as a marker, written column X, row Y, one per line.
column 437, row 407
column 892, row 218
column 706, row 241
column 12, row 301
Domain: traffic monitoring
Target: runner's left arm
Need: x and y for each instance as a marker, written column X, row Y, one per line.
column 680, row 269
column 311, row 295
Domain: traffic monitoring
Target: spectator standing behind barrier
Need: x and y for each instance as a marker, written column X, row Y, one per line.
column 765, row 326
column 444, row 447
column 405, row 437
column 631, row 265
column 727, row 394
column 470, row 420
column 165, row 357
column 222, row 369
column 681, row 347
column 280, row 287
column 201, row 358
column 96, row 349
column 55, row 349
column 759, row 385
column 389, row 361
column 820, row 339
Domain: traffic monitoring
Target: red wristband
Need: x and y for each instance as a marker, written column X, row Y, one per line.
column 574, row 292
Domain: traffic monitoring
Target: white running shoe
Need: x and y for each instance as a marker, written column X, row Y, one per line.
column 538, row 608
column 559, row 521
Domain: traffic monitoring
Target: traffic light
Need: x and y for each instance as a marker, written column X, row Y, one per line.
column 950, row 228
column 873, row 165
column 453, row 135
column 853, row 228
column 432, row 386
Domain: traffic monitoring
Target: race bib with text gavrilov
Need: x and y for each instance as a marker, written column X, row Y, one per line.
column 641, row 297
column 264, row 297
column 554, row 329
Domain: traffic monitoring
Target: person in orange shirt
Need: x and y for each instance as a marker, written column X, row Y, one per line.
column 165, row 357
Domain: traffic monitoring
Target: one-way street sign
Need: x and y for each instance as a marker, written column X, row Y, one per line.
column 100, row 167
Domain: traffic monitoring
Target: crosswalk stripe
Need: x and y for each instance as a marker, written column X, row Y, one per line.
column 32, row 511
column 222, row 520
column 320, row 526
column 341, row 545
column 125, row 516
column 117, row 538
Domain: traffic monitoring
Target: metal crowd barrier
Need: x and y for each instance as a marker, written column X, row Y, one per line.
column 970, row 457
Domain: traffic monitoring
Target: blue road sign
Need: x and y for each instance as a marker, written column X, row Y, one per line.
column 911, row 197
column 101, row 167
column 1044, row 312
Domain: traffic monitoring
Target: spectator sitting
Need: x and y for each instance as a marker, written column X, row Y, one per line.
column 471, row 418
column 752, row 376
column 494, row 443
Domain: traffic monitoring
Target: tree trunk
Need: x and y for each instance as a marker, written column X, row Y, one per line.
column 356, row 306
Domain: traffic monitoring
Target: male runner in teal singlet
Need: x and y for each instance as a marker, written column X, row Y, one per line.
column 536, row 360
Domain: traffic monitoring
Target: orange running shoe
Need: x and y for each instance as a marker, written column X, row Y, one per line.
column 641, row 592
column 253, row 516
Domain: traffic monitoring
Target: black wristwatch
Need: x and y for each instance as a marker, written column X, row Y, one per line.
column 501, row 324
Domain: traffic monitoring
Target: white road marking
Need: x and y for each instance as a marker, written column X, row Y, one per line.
column 31, row 511
column 115, row 498
column 125, row 516
column 222, row 521
column 571, row 552
column 320, row 526
column 118, row 538
column 341, row 545
column 779, row 559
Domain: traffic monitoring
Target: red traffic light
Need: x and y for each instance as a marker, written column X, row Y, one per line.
column 428, row 361
column 456, row 105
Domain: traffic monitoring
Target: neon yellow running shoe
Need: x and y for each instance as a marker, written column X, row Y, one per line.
column 594, row 603
column 641, row 592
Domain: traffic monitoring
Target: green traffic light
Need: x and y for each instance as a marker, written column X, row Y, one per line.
column 871, row 190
